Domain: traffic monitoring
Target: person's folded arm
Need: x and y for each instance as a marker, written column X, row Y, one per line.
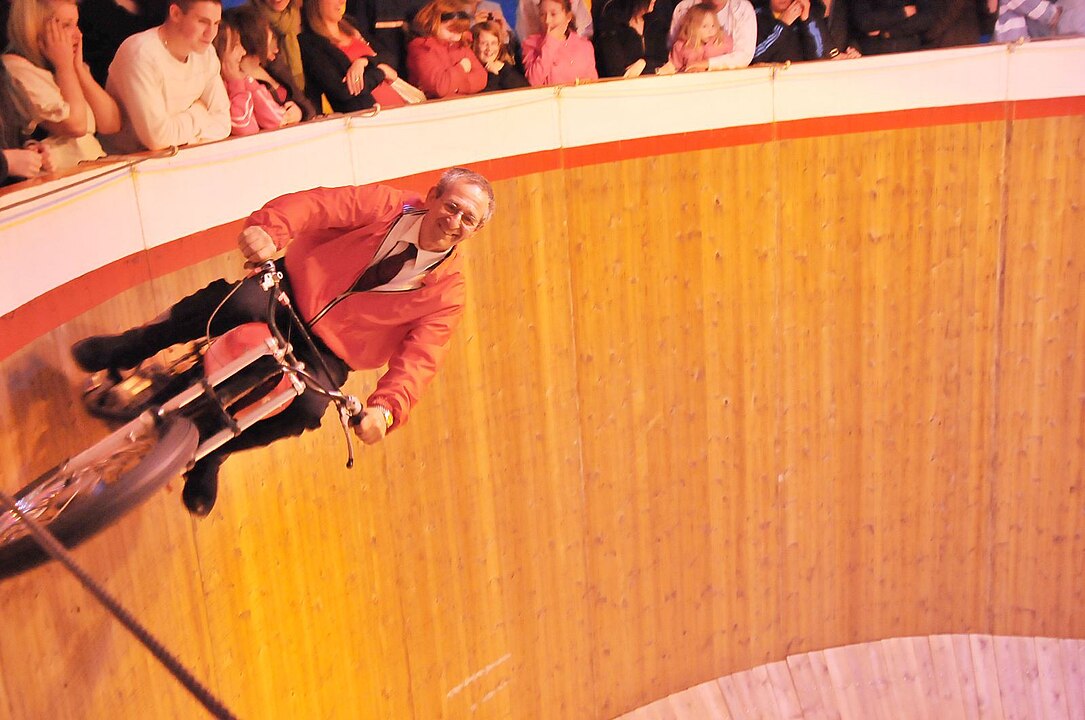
column 744, row 40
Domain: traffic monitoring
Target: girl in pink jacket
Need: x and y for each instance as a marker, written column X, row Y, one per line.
column 252, row 108
column 559, row 55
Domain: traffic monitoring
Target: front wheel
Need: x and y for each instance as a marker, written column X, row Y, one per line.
column 93, row 489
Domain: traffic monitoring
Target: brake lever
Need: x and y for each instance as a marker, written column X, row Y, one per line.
column 350, row 416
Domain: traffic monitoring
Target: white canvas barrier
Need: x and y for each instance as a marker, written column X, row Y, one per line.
column 53, row 233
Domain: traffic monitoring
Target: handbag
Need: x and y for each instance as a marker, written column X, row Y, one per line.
column 410, row 94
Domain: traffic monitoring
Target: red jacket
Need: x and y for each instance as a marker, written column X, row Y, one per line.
column 331, row 235
column 434, row 67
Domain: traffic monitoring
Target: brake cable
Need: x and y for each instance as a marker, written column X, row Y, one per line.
column 348, row 411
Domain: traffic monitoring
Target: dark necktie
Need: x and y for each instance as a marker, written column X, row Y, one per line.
column 381, row 273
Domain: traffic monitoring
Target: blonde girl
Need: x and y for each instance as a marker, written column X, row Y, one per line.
column 699, row 38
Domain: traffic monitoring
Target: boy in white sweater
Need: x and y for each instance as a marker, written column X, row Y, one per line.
column 167, row 83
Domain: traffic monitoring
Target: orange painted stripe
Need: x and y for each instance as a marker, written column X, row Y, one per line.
column 620, row 150
column 496, row 169
column 1048, row 107
column 62, row 304
column 893, row 120
column 191, row 249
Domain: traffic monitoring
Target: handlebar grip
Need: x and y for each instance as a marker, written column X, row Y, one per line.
column 259, row 268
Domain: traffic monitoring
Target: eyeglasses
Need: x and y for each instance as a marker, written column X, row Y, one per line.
column 469, row 221
column 458, row 15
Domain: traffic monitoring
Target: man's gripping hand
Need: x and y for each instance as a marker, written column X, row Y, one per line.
column 256, row 245
column 374, row 425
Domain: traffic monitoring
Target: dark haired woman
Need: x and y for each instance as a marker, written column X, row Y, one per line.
column 340, row 64
column 625, row 45
column 17, row 162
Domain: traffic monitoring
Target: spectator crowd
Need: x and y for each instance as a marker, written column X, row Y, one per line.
column 80, row 81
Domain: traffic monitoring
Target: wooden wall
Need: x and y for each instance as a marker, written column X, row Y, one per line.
column 706, row 410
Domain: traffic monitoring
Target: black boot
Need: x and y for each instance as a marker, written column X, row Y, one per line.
column 202, row 486
column 112, row 352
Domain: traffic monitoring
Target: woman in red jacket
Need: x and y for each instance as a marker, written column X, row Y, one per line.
column 440, row 62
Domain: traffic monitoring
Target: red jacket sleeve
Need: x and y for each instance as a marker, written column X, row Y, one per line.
column 476, row 79
column 413, row 366
column 325, row 208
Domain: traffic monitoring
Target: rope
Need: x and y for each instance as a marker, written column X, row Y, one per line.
column 58, row 552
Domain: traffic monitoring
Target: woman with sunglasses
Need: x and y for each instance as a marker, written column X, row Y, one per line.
column 440, row 62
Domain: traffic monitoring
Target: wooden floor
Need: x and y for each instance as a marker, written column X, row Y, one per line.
column 938, row 677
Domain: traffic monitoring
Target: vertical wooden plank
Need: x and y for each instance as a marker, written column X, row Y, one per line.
column 759, row 689
column 966, row 676
column 1018, row 679
column 541, row 526
column 624, row 276
column 1039, row 564
column 1051, row 679
column 946, row 668
column 878, row 693
column 682, row 465
column 854, row 682
column 820, row 326
column 783, row 687
column 927, row 682
column 742, row 369
column 903, row 673
column 1073, row 666
column 817, row 703
column 701, row 701
column 986, row 678
column 736, row 694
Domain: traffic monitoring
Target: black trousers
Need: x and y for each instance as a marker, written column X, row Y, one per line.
column 187, row 320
